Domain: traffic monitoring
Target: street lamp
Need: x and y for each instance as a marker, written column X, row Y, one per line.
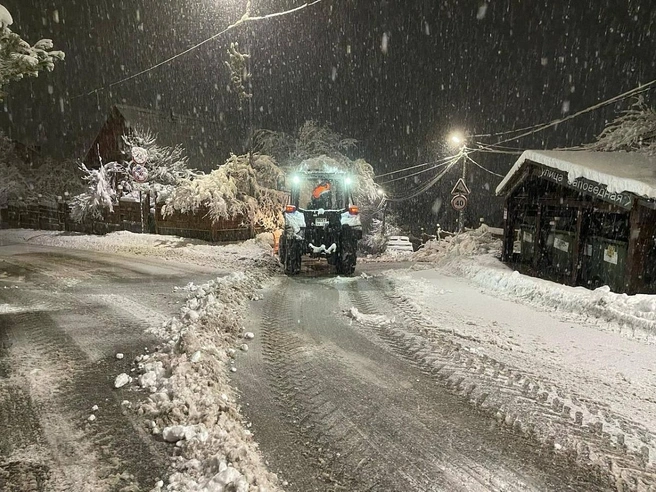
column 457, row 139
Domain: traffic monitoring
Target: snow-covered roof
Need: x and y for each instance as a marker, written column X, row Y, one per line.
column 630, row 172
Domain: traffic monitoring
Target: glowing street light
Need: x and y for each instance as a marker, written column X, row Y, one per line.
column 457, row 139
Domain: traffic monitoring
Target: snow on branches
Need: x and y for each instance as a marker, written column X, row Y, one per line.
column 98, row 198
column 239, row 74
column 236, row 189
column 634, row 131
column 167, row 166
column 18, row 58
column 316, row 142
column 312, row 140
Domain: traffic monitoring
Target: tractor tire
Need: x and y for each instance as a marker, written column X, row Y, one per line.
column 292, row 257
column 347, row 258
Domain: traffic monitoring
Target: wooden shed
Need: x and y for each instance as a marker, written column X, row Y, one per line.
column 583, row 218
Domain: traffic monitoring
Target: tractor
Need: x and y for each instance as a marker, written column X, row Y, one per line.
column 321, row 221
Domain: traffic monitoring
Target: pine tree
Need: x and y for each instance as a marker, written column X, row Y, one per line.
column 18, row 59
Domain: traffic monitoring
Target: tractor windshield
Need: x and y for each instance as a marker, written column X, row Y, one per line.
column 321, row 192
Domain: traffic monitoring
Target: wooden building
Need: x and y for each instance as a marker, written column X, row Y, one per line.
column 201, row 139
column 583, row 218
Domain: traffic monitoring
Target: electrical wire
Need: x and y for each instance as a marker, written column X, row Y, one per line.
column 425, row 187
column 415, row 174
column 414, row 167
column 245, row 18
column 489, row 149
column 543, row 126
column 483, row 168
column 619, row 97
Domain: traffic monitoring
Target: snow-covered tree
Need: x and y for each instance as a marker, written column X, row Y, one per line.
column 18, row 59
column 237, row 188
column 634, row 130
column 13, row 172
column 12, row 184
column 311, row 140
column 52, row 178
column 99, row 197
column 166, row 166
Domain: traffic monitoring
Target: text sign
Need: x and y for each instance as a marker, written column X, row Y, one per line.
column 459, row 202
column 597, row 190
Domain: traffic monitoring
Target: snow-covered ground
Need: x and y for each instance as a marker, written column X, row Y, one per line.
column 190, row 402
column 588, row 356
column 592, row 353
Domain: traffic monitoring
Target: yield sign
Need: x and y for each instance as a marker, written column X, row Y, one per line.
column 460, row 188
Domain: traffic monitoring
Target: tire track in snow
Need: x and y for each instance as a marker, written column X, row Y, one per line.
column 370, row 436
column 517, row 400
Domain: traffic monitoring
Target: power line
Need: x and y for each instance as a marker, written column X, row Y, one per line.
column 414, row 167
column 425, row 187
column 483, row 168
column 415, row 174
column 245, row 18
column 619, row 97
column 543, row 126
column 490, row 149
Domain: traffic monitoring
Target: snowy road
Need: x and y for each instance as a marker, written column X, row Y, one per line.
column 343, row 396
column 64, row 315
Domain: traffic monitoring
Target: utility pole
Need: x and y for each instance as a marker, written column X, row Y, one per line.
column 461, row 214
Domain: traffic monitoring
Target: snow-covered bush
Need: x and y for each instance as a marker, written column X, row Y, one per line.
column 237, row 188
column 634, row 130
column 51, row 178
column 18, row 58
column 99, row 197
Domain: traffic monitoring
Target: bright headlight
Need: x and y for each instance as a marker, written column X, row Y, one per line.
column 296, row 180
column 348, row 181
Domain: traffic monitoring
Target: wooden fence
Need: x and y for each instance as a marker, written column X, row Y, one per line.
column 127, row 216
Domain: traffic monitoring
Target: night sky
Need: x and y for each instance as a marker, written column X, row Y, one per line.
column 396, row 75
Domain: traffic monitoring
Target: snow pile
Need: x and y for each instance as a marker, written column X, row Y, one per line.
column 474, row 255
column 254, row 252
column 471, row 243
column 368, row 319
column 190, row 402
column 635, row 314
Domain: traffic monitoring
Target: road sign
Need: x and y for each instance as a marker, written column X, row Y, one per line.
column 460, row 188
column 459, row 202
column 140, row 173
column 139, row 155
